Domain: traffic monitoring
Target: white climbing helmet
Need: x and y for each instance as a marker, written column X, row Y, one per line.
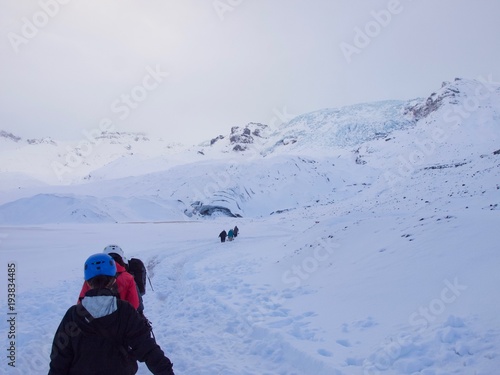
column 115, row 249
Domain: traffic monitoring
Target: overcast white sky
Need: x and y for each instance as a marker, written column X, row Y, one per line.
column 188, row 70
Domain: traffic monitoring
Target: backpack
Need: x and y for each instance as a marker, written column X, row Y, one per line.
column 137, row 269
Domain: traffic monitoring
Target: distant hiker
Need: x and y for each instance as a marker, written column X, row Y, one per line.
column 125, row 286
column 103, row 334
column 223, row 236
column 236, row 230
column 230, row 235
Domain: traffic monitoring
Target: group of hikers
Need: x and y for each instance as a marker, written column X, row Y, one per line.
column 231, row 234
column 106, row 332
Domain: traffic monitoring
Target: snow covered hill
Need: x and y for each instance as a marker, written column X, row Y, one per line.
column 381, row 289
column 368, row 240
column 64, row 162
column 321, row 158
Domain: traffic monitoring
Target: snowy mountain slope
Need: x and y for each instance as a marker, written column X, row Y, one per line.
column 272, row 185
column 350, row 127
column 344, row 127
column 462, row 122
column 56, row 208
column 377, row 258
column 250, row 139
column 16, row 181
column 326, row 129
column 457, row 127
column 332, row 130
column 66, row 162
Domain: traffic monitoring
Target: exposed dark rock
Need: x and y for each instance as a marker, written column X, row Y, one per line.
column 360, row 161
column 241, row 136
column 40, row 141
column 122, row 136
column 434, row 101
column 444, row 166
column 239, row 148
column 216, row 139
column 281, row 211
column 12, row 137
column 287, row 141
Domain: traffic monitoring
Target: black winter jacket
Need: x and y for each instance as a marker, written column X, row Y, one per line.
column 80, row 347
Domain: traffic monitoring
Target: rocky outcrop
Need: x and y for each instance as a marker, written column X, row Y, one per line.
column 9, row 136
column 447, row 94
column 240, row 137
column 40, row 141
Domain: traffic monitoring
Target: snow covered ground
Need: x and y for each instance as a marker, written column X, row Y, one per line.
column 366, row 294
column 382, row 259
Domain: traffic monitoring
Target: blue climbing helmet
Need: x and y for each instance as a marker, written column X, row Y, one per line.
column 99, row 264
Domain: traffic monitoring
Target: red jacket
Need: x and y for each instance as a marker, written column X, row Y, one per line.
column 125, row 284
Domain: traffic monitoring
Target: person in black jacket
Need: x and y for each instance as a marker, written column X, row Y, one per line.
column 104, row 335
column 223, row 236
